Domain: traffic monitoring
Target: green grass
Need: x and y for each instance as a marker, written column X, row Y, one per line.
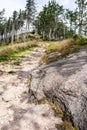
column 58, row 111
column 64, row 47
column 79, row 40
column 68, row 126
column 59, row 46
column 11, row 52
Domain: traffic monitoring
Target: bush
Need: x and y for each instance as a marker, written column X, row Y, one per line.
column 59, row 46
column 75, row 36
column 79, row 40
column 64, row 47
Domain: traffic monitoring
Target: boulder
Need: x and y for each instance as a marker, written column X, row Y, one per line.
column 64, row 82
column 53, row 57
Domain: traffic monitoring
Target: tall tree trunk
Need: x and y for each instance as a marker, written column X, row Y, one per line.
column 12, row 34
column 64, row 31
column 50, row 32
column 53, row 34
column 43, row 33
column 0, row 37
column 5, row 35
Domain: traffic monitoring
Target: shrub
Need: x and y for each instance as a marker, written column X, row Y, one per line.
column 64, row 47
column 79, row 40
column 75, row 36
column 59, row 46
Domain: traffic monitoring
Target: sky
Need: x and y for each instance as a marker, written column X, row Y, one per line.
column 11, row 5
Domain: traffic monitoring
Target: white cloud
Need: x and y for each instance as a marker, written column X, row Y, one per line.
column 11, row 5
column 65, row 2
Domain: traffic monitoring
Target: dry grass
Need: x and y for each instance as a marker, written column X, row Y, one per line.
column 10, row 51
column 64, row 47
column 68, row 126
column 59, row 46
column 17, row 46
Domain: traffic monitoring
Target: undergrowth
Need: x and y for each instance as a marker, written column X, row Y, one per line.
column 11, row 51
column 64, row 47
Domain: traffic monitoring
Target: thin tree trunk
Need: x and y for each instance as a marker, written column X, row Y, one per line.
column 64, row 31
column 43, row 33
column 12, row 34
column 5, row 35
column 50, row 32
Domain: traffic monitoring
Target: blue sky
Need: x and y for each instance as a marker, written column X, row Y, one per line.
column 11, row 5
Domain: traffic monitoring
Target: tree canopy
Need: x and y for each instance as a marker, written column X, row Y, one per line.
column 52, row 22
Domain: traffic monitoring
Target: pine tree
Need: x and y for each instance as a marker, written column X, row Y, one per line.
column 82, row 12
column 14, row 25
column 2, row 19
column 48, row 19
column 30, row 12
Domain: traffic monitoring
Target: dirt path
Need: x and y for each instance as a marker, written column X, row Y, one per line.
column 15, row 111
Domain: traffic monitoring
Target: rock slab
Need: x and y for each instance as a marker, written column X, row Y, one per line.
column 65, row 82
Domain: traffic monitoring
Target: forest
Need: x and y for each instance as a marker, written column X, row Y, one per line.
column 53, row 22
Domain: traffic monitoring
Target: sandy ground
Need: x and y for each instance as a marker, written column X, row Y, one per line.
column 16, row 113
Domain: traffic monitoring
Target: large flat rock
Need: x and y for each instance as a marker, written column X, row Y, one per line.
column 65, row 82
